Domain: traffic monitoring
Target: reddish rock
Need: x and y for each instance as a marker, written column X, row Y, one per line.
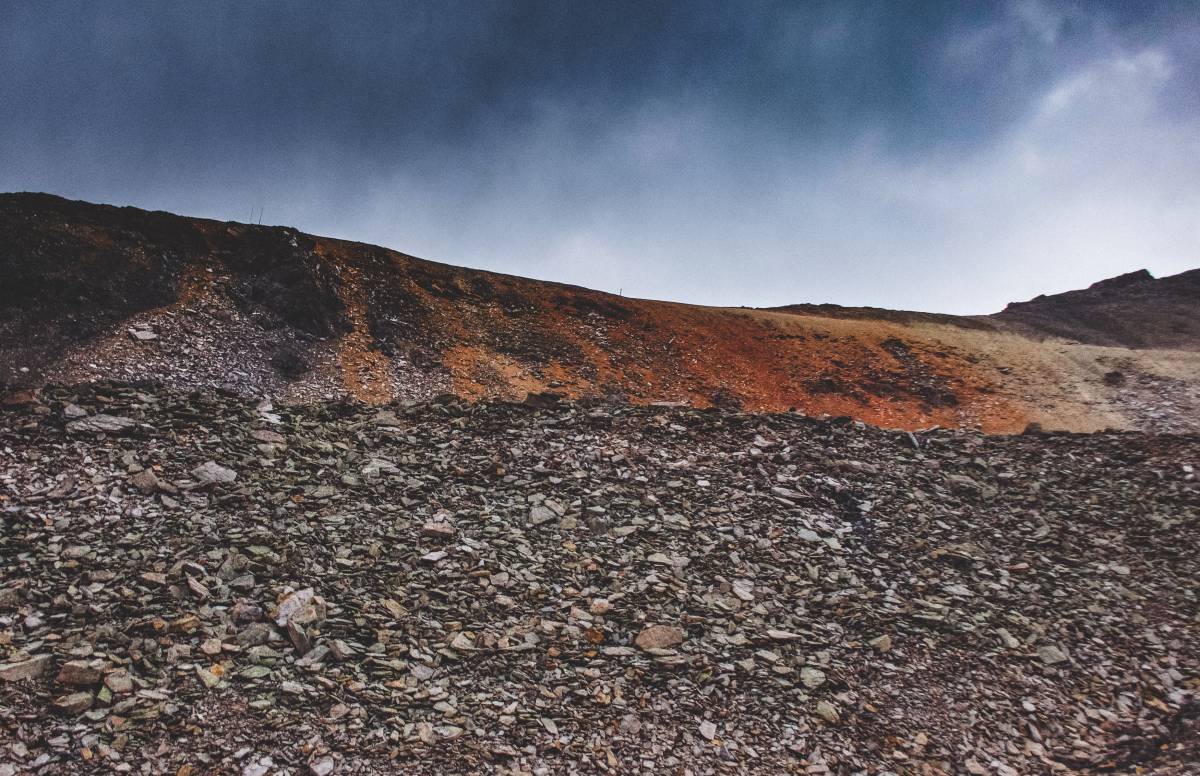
column 659, row 637
column 79, row 674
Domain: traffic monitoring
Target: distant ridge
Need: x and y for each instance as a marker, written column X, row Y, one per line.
column 1133, row 310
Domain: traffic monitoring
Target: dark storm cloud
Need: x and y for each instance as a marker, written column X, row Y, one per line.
column 751, row 152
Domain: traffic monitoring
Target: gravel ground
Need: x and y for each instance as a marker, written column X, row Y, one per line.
column 193, row 583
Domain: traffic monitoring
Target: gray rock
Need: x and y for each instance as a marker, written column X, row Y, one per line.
column 211, row 472
column 1052, row 655
column 254, row 634
column 812, row 677
column 75, row 703
column 541, row 514
column 827, row 711
column 24, row 669
column 100, row 424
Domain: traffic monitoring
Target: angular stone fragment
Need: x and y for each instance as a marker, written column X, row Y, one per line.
column 24, row 669
column 211, row 472
column 292, row 604
column 438, row 530
column 10, row 597
column 812, row 677
column 74, row 411
column 100, row 424
column 145, row 481
column 1052, row 655
column 827, row 711
column 254, row 634
column 299, row 637
column 340, row 650
column 119, row 682
column 777, row 634
column 244, row 583
column 79, row 673
column 882, row 643
column 209, row 677
column 258, row 766
column 268, row 437
column 246, row 611
column 462, row 642
column 74, row 703
column 377, row 468
column 541, row 514
column 197, row 588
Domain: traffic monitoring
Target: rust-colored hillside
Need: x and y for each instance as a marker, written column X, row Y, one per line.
column 92, row 292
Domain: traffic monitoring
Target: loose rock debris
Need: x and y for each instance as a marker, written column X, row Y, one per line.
column 453, row 588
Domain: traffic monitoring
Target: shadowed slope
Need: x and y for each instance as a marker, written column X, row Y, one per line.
column 1133, row 310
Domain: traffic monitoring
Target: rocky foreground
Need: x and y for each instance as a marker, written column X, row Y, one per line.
column 194, row 584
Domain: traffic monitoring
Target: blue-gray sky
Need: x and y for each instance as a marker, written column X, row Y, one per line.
column 943, row 156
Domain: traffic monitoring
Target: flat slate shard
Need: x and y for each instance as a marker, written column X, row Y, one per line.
column 438, row 530
column 24, row 669
column 1052, row 655
column 377, row 467
column 80, row 673
column 74, row 703
column 540, row 514
column 211, row 472
column 587, row 587
column 100, row 424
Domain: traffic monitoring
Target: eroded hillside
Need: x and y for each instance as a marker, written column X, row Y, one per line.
column 96, row 292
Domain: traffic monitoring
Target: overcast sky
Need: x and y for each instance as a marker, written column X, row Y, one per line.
column 935, row 156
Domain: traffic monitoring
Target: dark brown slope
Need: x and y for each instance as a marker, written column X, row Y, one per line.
column 825, row 310
column 72, row 270
column 1135, row 310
